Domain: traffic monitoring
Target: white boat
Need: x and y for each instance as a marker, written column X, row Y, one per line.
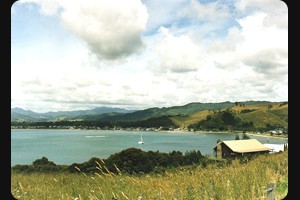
column 141, row 141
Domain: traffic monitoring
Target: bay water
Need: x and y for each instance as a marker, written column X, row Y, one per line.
column 77, row 146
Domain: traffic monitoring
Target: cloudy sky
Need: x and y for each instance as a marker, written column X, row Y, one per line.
column 136, row 54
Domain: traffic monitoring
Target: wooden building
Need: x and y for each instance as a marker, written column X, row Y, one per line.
column 236, row 148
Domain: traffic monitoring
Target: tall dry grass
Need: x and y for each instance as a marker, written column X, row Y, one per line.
column 237, row 181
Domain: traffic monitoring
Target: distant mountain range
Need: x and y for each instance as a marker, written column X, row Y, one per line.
column 19, row 114
column 118, row 114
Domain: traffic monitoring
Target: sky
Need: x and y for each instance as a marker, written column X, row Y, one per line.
column 137, row 54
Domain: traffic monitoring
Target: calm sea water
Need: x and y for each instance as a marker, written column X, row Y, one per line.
column 76, row 146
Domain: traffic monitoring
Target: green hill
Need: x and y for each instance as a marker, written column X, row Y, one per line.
column 184, row 110
column 250, row 115
column 266, row 115
column 263, row 117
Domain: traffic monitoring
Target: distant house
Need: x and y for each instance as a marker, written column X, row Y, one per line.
column 276, row 148
column 236, row 148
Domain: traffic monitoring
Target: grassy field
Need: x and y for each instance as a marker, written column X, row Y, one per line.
column 184, row 121
column 247, row 180
column 261, row 118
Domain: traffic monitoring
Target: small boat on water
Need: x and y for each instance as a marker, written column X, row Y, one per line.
column 141, row 141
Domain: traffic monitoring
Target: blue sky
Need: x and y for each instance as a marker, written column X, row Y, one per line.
column 136, row 54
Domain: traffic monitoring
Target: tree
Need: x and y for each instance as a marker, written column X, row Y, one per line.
column 270, row 106
column 43, row 161
column 192, row 157
column 130, row 160
column 245, row 136
column 228, row 118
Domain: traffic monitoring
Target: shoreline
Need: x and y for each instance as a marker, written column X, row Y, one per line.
column 264, row 135
column 175, row 131
column 229, row 132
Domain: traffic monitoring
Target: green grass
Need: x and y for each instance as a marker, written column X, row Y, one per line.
column 235, row 181
column 281, row 113
column 184, row 121
column 262, row 117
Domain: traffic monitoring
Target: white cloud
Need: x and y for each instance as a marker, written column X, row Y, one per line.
column 276, row 9
column 265, row 47
column 261, row 47
column 112, row 29
column 170, row 53
column 212, row 11
column 163, row 13
column 178, row 53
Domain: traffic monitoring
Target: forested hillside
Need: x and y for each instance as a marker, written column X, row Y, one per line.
column 251, row 115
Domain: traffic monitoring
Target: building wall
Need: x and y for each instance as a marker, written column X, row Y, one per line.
column 219, row 151
column 222, row 151
column 227, row 152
